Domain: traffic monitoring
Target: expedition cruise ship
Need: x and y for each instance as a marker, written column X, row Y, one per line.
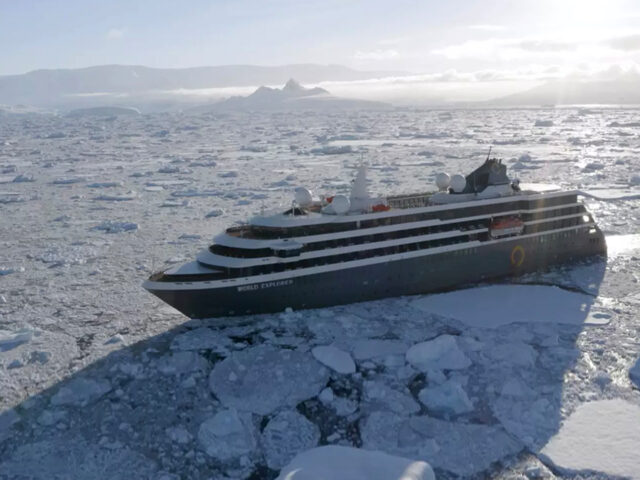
column 346, row 249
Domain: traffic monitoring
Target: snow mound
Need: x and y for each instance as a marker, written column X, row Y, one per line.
column 448, row 398
column 601, row 436
column 335, row 359
column 80, row 392
column 442, row 353
column 227, row 435
column 497, row 305
column 261, row 379
column 286, row 435
column 347, row 463
column 109, row 226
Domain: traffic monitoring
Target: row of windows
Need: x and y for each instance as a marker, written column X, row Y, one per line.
column 280, row 267
column 262, row 232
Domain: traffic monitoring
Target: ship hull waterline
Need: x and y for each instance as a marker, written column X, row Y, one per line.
column 424, row 274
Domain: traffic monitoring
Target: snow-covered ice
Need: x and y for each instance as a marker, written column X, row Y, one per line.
column 334, row 358
column 497, row 305
column 601, row 436
column 441, row 353
column 346, row 463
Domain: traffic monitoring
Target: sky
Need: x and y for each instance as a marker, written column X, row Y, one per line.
column 445, row 41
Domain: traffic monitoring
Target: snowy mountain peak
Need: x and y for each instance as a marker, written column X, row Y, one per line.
column 293, row 86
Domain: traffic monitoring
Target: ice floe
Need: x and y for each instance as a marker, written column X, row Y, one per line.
column 497, row 305
column 334, row 358
column 448, row 398
column 227, row 435
column 261, row 379
column 601, row 436
column 287, row 434
column 442, row 353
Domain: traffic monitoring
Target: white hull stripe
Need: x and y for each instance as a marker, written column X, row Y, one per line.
column 233, row 282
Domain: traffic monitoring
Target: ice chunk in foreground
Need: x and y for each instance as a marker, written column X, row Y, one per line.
column 442, row 353
column 498, row 305
column 334, row 358
column 602, row 436
column 263, row 378
column 347, row 463
column 227, row 435
column 286, row 435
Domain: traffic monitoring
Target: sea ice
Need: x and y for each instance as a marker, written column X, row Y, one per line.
column 202, row 339
column 263, row 378
column 334, row 358
column 110, row 226
column 347, row 463
column 227, row 435
column 81, row 391
column 11, row 340
column 601, row 436
column 497, row 305
column 375, row 348
column 378, row 394
column 442, row 353
column 448, row 398
column 287, row 434
column 215, row 213
column 182, row 363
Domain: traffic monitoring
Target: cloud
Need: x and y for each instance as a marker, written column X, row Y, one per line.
column 115, row 34
column 584, row 48
column 626, row 43
column 380, row 54
column 487, row 27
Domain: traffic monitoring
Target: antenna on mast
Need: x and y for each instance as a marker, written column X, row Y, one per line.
column 489, row 154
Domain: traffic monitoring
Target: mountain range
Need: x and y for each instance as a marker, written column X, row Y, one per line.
column 293, row 96
column 136, row 85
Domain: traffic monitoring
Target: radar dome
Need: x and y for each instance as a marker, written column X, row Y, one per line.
column 340, row 204
column 443, row 180
column 458, row 182
column 303, row 196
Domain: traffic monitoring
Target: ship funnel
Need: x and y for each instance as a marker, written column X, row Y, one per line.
column 359, row 187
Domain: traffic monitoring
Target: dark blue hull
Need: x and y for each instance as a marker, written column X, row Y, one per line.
column 424, row 274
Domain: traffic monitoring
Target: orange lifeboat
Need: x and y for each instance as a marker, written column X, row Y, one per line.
column 381, row 207
column 506, row 227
